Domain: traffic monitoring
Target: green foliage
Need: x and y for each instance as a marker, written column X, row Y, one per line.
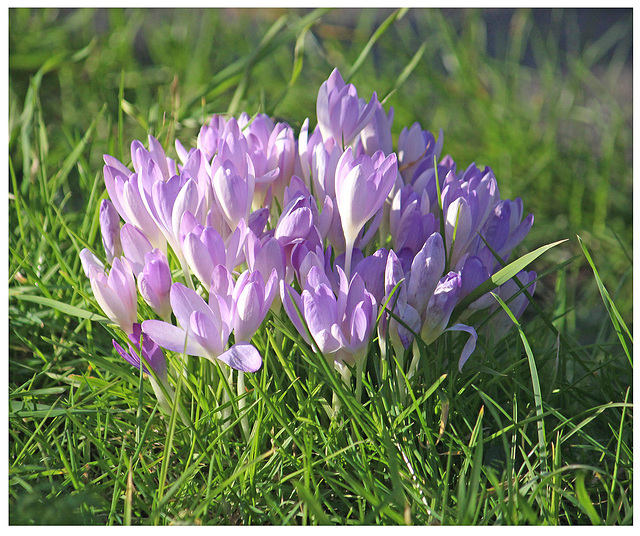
column 537, row 429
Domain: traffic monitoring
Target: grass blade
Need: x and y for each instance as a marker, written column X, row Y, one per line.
column 616, row 319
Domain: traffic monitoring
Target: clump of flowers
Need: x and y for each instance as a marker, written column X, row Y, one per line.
column 347, row 236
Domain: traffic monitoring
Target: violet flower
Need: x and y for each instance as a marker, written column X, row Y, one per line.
column 233, row 193
column 341, row 114
column 203, row 249
column 362, row 186
column 154, row 283
column 203, row 330
column 265, row 255
column 426, row 270
column 151, row 352
column 440, row 306
column 153, row 356
column 115, row 293
column 340, row 325
column 410, row 221
column 126, row 191
column 168, row 202
column 110, row 230
column 135, row 246
column 397, row 307
column 376, row 135
column 252, row 298
column 439, row 309
column 415, row 147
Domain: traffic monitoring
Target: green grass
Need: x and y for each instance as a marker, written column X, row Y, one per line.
column 536, row 429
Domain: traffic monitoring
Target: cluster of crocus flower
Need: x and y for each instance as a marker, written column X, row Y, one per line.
column 330, row 227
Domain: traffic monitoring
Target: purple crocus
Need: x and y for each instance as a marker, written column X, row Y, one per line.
column 444, row 299
column 110, row 230
column 126, row 191
column 372, row 269
column 203, row 249
column 415, row 147
column 233, row 192
column 440, row 306
column 426, row 270
column 410, row 221
column 169, row 201
column 340, row 325
column 397, row 307
column 376, row 135
column 515, row 300
column 135, row 246
column 203, row 330
column 265, row 255
column 341, row 114
column 362, row 186
column 154, row 283
column 151, row 352
column 154, row 357
column 116, row 292
column 252, row 297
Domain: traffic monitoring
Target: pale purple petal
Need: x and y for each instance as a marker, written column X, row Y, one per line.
column 242, row 356
column 135, row 246
column 469, row 347
column 172, row 338
column 185, row 301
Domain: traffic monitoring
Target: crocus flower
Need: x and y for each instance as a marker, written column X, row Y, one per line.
column 426, row 270
column 127, row 192
column 505, row 228
column 440, row 306
column 208, row 138
column 397, row 307
column 340, row 326
column 154, row 283
column 273, row 153
column 233, row 192
column 459, row 228
column 295, row 226
column 135, row 246
column 444, row 299
column 474, row 272
column 372, row 269
column 140, row 343
column 410, row 221
column 265, row 255
column 110, row 230
column 168, row 202
column 115, row 293
column 203, row 331
column 203, row 249
column 376, row 135
column 362, row 186
column 252, row 297
column 324, row 159
column 151, row 352
column 417, row 146
column 341, row 114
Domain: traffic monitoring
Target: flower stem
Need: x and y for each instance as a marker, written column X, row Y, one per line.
column 347, row 259
column 359, row 372
column 244, row 422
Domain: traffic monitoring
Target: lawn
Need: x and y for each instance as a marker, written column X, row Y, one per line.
column 536, row 428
